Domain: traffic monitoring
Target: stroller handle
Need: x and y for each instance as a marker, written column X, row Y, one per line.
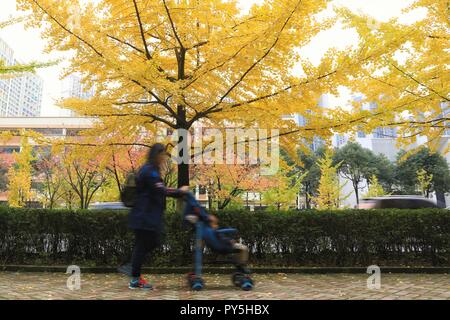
column 229, row 231
column 193, row 206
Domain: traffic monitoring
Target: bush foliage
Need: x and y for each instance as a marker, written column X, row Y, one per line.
column 281, row 238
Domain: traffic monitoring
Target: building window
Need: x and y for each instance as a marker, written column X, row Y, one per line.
column 9, row 150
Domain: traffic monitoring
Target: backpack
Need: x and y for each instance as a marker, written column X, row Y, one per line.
column 128, row 193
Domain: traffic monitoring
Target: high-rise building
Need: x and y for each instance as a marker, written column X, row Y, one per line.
column 73, row 88
column 20, row 96
column 316, row 143
column 445, row 114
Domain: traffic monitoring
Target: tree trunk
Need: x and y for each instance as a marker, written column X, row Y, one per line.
column 307, row 201
column 82, row 200
column 183, row 165
column 210, row 200
column 183, row 174
column 356, row 192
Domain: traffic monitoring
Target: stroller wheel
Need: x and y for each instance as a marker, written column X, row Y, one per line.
column 242, row 281
column 197, row 284
column 236, row 278
column 247, row 284
column 194, row 282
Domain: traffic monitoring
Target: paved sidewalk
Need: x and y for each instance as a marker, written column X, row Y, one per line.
column 268, row 286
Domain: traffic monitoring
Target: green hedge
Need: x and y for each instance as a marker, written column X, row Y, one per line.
column 290, row 238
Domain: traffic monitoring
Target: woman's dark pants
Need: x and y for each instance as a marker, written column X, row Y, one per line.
column 145, row 242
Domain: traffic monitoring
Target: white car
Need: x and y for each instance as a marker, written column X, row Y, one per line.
column 397, row 202
column 107, row 206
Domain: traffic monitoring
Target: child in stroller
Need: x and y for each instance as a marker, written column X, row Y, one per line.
column 218, row 240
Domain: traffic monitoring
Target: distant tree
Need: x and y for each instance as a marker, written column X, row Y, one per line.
column 19, row 176
column 375, row 189
column 226, row 182
column 306, row 165
column 122, row 161
column 108, row 191
column 68, row 195
column 424, row 180
column 433, row 163
column 385, row 171
column 283, row 188
column 49, row 166
column 356, row 164
column 330, row 191
column 84, row 176
column 3, row 175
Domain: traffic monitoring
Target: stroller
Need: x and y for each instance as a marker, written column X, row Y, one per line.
column 218, row 240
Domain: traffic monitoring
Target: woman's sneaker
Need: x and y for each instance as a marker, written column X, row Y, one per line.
column 140, row 283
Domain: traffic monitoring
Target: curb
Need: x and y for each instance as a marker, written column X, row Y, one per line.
column 219, row 270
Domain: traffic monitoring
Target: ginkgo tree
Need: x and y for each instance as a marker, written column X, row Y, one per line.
column 178, row 63
column 283, row 188
column 17, row 69
column 20, row 176
column 409, row 84
column 424, row 181
column 330, row 191
column 374, row 188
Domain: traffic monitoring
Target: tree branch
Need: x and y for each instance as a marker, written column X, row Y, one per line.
column 155, row 118
column 66, row 29
column 126, row 43
column 259, row 60
column 417, row 81
column 172, row 25
column 141, row 29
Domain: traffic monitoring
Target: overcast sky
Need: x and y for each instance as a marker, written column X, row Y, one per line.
column 28, row 45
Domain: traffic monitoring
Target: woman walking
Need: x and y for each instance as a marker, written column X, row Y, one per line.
column 146, row 217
